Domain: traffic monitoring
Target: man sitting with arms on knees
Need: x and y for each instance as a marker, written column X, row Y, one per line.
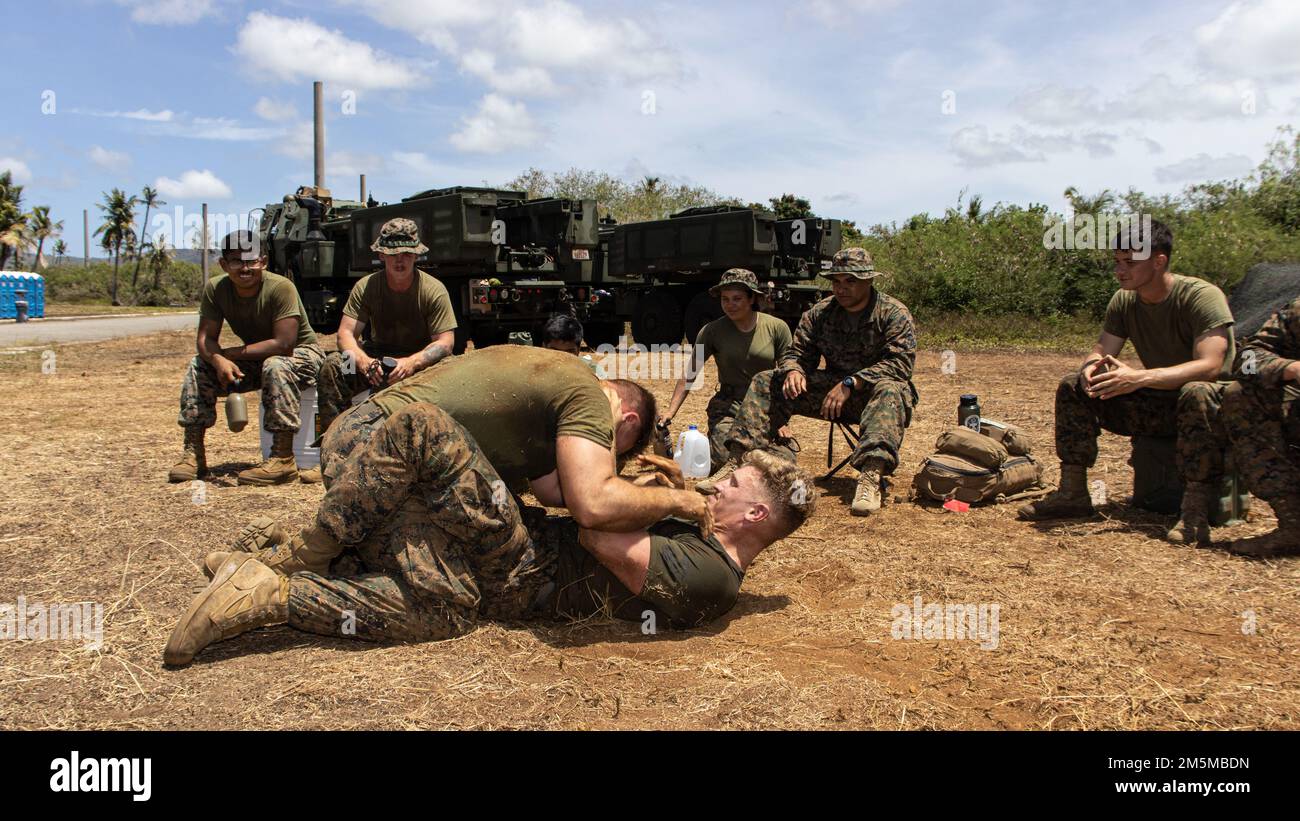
column 279, row 354
column 1182, row 331
column 440, row 547
column 405, row 313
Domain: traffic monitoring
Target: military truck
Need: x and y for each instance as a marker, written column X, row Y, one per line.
column 509, row 262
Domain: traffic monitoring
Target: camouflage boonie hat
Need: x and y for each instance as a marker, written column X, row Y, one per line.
column 854, row 261
column 399, row 236
column 739, row 278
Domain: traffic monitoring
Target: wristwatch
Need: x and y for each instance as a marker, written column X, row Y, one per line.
column 849, row 382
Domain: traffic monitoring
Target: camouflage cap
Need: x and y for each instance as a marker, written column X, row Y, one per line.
column 854, row 261
column 737, row 278
column 399, row 236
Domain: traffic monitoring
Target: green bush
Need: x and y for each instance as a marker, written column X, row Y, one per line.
column 70, row 283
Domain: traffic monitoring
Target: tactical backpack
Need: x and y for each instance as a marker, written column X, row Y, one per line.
column 991, row 466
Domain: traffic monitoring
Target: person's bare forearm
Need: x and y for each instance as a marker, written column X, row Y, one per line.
column 1174, row 377
column 348, row 343
column 679, row 396
column 435, row 352
column 258, row 351
column 619, row 506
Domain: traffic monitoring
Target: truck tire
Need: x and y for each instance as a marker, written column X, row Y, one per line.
column 658, row 319
column 596, row 334
column 700, row 311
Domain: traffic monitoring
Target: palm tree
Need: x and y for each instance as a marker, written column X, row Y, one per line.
column 119, row 224
column 42, row 228
column 60, row 249
column 13, row 221
column 151, row 200
column 1083, row 204
column 160, row 256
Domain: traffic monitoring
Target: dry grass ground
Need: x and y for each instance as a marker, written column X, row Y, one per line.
column 1102, row 624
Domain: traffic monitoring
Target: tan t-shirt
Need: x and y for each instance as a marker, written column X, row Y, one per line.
column 743, row 355
column 253, row 318
column 399, row 324
column 1165, row 334
column 515, row 401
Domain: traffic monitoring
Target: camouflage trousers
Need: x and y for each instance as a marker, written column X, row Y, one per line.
column 883, row 410
column 338, row 382
column 1263, row 425
column 1192, row 414
column 281, row 379
column 440, row 541
column 721, row 413
column 349, row 432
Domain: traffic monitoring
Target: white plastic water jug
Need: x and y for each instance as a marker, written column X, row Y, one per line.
column 692, row 453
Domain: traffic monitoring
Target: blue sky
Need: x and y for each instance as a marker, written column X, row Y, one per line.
column 873, row 109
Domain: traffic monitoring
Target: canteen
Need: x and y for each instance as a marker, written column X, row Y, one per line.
column 692, row 453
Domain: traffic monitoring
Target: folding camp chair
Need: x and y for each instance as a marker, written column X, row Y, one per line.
column 851, row 433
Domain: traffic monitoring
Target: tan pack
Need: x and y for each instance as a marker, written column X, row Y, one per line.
column 975, row 467
column 1009, row 436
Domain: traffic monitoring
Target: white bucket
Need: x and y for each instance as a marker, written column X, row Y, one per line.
column 306, row 455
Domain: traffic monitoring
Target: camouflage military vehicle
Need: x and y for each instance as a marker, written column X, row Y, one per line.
column 509, row 262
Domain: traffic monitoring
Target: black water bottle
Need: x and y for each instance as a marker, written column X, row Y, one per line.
column 968, row 412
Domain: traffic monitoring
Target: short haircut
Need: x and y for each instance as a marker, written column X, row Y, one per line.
column 241, row 241
column 1160, row 241
column 638, row 399
column 790, row 493
column 562, row 328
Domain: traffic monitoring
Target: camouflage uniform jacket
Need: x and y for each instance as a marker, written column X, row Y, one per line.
column 1267, row 354
column 877, row 344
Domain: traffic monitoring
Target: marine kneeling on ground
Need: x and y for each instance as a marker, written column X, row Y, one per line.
column 1261, row 412
column 279, row 355
column 441, row 545
column 869, row 342
column 403, row 313
column 1181, row 328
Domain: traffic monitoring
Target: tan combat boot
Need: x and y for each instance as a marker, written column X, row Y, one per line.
column 866, row 499
column 312, row 476
column 1194, row 522
column 194, row 463
column 1285, row 541
column 719, row 475
column 1070, row 500
column 261, row 534
column 311, row 551
column 244, row 594
column 279, row 468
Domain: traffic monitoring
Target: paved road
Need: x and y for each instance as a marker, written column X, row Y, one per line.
column 13, row 335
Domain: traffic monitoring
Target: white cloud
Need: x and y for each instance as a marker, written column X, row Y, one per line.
column 19, row 170
column 274, row 110
column 139, row 114
column 498, row 125
column 834, row 12
column 168, row 12
column 193, row 185
column 1158, row 98
column 108, row 160
column 1204, row 167
column 520, row 81
column 520, row 49
column 975, row 147
column 1253, row 39
column 298, row 50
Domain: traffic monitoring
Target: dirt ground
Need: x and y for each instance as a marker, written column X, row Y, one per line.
column 1101, row 624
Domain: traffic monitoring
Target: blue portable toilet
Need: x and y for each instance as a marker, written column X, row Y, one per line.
column 32, row 284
